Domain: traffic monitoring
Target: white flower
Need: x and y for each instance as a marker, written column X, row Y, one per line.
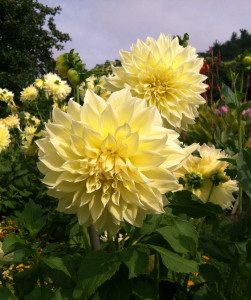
column 4, row 137
column 55, row 87
column 205, row 176
column 166, row 75
column 110, row 161
column 29, row 94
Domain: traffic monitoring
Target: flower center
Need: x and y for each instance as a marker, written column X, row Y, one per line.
column 193, row 180
column 155, row 90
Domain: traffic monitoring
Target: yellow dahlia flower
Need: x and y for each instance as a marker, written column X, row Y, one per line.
column 11, row 121
column 39, row 83
column 6, row 96
column 29, row 94
column 205, row 176
column 166, row 75
column 55, row 87
column 107, row 161
column 95, row 84
column 4, row 137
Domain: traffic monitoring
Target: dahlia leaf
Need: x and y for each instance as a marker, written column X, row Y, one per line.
column 96, row 268
column 136, row 260
column 181, row 235
column 244, row 170
column 174, row 262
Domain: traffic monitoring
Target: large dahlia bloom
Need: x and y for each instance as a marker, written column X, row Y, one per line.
column 110, row 161
column 205, row 176
column 166, row 75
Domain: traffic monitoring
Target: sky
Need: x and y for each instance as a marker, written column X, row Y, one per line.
column 100, row 28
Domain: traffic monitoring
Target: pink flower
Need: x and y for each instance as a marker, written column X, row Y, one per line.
column 217, row 111
column 224, row 109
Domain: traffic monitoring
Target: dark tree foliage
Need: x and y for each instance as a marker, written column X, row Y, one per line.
column 28, row 36
column 233, row 47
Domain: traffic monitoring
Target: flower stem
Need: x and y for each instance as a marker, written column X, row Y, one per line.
column 210, row 192
column 76, row 94
column 94, row 238
column 40, row 116
column 240, row 148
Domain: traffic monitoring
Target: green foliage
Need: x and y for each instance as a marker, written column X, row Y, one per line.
column 96, row 268
column 22, row 59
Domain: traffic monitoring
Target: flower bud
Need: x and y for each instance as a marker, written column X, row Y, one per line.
column 62, row 65
column 73, row 77
column 246, row 61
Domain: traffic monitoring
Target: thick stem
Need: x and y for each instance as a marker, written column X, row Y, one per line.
column 76, row 93
column 94, row 238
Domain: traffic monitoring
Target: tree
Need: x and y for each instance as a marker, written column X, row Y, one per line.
column 233, row 47
column 28, row 36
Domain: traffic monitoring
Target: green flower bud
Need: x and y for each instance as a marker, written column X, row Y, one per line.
column 246, row 61
column 73, row 77
column 62, row 65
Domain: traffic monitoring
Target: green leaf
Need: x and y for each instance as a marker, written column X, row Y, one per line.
column 118, row 287
column 181, row 235
column 144, row 289
column 151, row 223
column 229, row 160
column 26, row 280
column 136, row 259
column 96, row 268
column 56, row 263
column 229, row 96
column 174, row 262
column 13, row 242
column 244, row 170
column 206, row 293
column 6, row 294
column 184, row 202
column 210, row 273
column 32, row 218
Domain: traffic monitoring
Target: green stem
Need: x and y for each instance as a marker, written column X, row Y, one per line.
column 94, row 238
column 210, row 192
column 242, row 80
column 40, row 116
column 76, row 93
column 186, row 281
column 240, row 148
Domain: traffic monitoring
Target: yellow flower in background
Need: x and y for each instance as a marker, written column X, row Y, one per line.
column 96, row 84
column 39, row 83
column 55, row 87
column 166, row 75
column 11, row 121
column 6, row 96
column 205, row 176
column 109, row 161
column 29, row 93
column 4, row 137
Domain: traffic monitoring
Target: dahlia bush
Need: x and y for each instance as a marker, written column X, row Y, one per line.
column 126, row 183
